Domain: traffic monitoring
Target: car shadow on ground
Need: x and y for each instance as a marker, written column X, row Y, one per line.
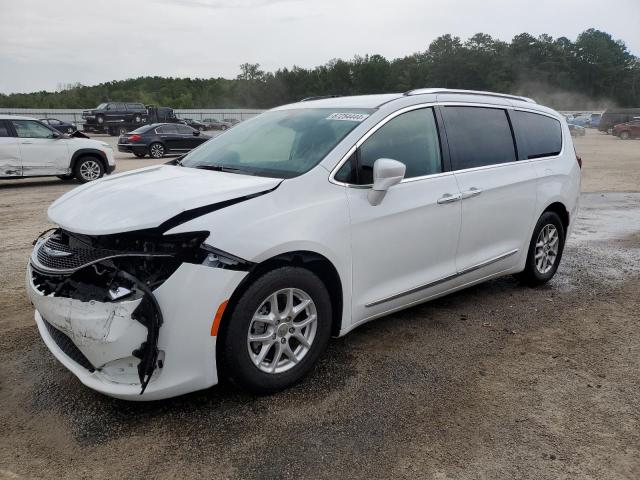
column 36, row 182
column 94, row 418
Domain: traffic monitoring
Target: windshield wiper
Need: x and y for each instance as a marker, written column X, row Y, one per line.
column 222, row 168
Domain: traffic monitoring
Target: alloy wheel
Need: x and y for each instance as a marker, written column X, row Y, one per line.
column 90, row 170
column 157, row 150
column 282, row 330
column 547, row 245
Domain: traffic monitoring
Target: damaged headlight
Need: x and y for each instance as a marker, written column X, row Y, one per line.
column 216, row 258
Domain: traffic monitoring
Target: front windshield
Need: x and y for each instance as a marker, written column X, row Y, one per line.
column 279, row 143
column 102, row 106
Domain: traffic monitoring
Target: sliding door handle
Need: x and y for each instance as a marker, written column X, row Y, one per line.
column 472, row 192
column 449, row 198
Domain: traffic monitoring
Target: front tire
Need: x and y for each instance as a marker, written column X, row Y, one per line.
column 88, row 169
column 624, row 136
column 156, row 150
column 277, row 331
column 545, row 250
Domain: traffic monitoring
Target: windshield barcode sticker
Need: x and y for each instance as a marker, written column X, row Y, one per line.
column 349, row 117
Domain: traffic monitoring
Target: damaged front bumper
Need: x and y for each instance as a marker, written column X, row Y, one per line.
column 102, row 341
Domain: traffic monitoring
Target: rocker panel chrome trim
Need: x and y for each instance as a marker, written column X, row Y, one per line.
column 444, row 279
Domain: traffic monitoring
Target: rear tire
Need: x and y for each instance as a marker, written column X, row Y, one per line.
column 88, row 169
column 140, row 155
column 156, row 150
column 303, row 312
column 66, row 178
column 545, row 250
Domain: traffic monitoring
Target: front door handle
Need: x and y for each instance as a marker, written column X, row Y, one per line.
column 23, row 142
column 449, row 198
column 472, row 192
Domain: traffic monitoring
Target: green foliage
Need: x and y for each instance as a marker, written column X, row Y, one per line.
column 595, row 69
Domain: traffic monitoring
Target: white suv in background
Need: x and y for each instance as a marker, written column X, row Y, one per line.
column 246, row 255
column 29, row 148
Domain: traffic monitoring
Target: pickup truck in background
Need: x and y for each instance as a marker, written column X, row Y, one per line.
column 118, row 118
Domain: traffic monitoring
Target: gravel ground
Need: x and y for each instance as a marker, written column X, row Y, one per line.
column 497, row 381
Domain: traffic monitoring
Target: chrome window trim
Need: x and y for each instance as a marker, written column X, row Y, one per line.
column 392, row 115
column 364, row 138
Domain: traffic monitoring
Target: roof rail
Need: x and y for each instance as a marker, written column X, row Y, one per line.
column 308, row 99
column 422, row 91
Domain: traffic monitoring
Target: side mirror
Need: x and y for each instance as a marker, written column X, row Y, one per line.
column 196, row 133
column 386, row 174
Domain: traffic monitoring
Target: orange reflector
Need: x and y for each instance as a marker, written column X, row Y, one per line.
column 216, row 320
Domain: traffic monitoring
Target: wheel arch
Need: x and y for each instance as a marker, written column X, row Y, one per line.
column 89, row 152
column 313, row 261
column 561, row 210
column 159, row 141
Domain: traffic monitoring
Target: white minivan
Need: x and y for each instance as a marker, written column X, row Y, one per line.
column 243, row 257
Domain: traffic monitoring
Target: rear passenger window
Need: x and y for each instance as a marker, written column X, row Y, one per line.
column 538, row 135
column 4, row 129
column 410, row 138
column 184, row 130
column 167, row 129
column 478, row 136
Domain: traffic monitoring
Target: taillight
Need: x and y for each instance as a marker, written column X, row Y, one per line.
column 134, row 138
column 579, row 160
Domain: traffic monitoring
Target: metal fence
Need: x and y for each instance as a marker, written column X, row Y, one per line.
column 75, row 115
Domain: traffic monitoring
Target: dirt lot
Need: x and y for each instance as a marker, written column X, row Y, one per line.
column 498, row 381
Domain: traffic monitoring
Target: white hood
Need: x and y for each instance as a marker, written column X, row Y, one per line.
column 147, row 197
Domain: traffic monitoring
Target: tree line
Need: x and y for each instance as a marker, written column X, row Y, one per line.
column 595, row 71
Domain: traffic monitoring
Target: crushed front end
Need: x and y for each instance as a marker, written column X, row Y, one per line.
column 130, row 314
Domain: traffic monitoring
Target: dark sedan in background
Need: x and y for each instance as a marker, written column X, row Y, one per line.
column 215, row 124
column 159, row 139
column 194, row 124
column 59, row 125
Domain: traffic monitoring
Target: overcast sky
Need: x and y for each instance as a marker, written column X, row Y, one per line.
column 46, row 43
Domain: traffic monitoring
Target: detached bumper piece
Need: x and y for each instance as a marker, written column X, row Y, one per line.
column 148, row 314
column 91, row 291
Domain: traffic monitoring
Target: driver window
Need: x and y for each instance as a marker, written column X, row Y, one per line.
column 410, row 138
column 31, row 129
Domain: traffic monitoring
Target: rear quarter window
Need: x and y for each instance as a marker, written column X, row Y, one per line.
column 538, row 135
column 478, row 136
